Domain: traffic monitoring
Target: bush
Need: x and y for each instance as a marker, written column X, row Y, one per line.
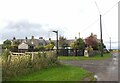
column 5, row 54
column 21, row 65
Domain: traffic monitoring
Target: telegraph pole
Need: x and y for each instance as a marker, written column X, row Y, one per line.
column 101, row 40
column 101, row 36
column 110, row 43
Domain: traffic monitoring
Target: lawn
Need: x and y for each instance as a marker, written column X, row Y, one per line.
column 57, row 73
column 96, row 57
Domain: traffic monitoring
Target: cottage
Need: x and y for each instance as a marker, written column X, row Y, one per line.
column 23, row 47
column 28, row 44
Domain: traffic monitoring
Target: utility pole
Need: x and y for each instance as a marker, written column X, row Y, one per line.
column 100, row 30
column 110, row 43
column 101, row 36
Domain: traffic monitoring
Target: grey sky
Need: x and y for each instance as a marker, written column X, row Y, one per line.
column 22, row 18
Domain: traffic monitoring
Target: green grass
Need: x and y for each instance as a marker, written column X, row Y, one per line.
column 96, row 57
column 57, row 73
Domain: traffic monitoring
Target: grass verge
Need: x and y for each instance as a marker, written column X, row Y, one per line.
column 96, row 57
column 57, row 73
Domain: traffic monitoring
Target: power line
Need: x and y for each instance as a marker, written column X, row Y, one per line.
column 105, row 28
column 97, row 7
column 110, row 9
column 88, row 27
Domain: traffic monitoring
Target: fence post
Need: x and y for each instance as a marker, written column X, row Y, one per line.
column 75, row 52
column 9, row 57
column 32, row 56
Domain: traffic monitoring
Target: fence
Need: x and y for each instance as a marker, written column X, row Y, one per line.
column 70, row 52
column 28, row 55
column 61, row 52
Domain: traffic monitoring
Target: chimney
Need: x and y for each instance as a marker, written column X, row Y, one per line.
column 91, row 34
column 95, row 36
column 49, row 39
column 75, row 38
column 40, row 37
column 26, row 39
column 32, row 37
column 14, row 38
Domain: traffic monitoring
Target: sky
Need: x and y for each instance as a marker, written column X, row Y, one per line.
column 26, row 18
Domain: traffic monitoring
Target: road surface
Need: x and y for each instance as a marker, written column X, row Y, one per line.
column 0, row 69
column 105, row 70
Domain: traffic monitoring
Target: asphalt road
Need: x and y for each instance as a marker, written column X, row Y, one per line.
column 104, row 70
column 0, row 70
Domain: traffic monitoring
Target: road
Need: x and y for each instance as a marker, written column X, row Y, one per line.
column 0, row 69
column 104, row 70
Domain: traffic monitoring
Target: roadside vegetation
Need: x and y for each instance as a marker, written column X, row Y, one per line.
column 13, row 66
column 95, row 57
column 56, row 73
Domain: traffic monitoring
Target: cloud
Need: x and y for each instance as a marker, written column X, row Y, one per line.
column 23, row 29
column 22, row 26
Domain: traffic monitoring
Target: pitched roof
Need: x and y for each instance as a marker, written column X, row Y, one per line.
column 23, row 46
column 32, row 41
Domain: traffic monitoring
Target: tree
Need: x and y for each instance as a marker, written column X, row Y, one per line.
column 50, row 45
column 51, row 42
column 14, row 46
column 78, row 44
column 72, row 45
column 92, row 41
column 104, row 46
column 63, row 42
column 39, row 47
column 6, row 44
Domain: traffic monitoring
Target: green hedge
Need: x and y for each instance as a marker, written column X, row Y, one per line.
column 21, row 65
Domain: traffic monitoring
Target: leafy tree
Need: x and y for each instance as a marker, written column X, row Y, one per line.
column 78, row 44
column 99, row 48
column 49, row 46
column 14, row 46
column 51, row 42
column 39, row 47
column 6, row 44
column 92, row 41
column 72, row 45
column 63, row 42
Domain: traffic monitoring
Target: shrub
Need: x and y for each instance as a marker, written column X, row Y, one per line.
column 21, row 65
column 5, row 54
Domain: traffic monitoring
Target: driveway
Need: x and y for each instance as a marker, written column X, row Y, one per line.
column 105, row 70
